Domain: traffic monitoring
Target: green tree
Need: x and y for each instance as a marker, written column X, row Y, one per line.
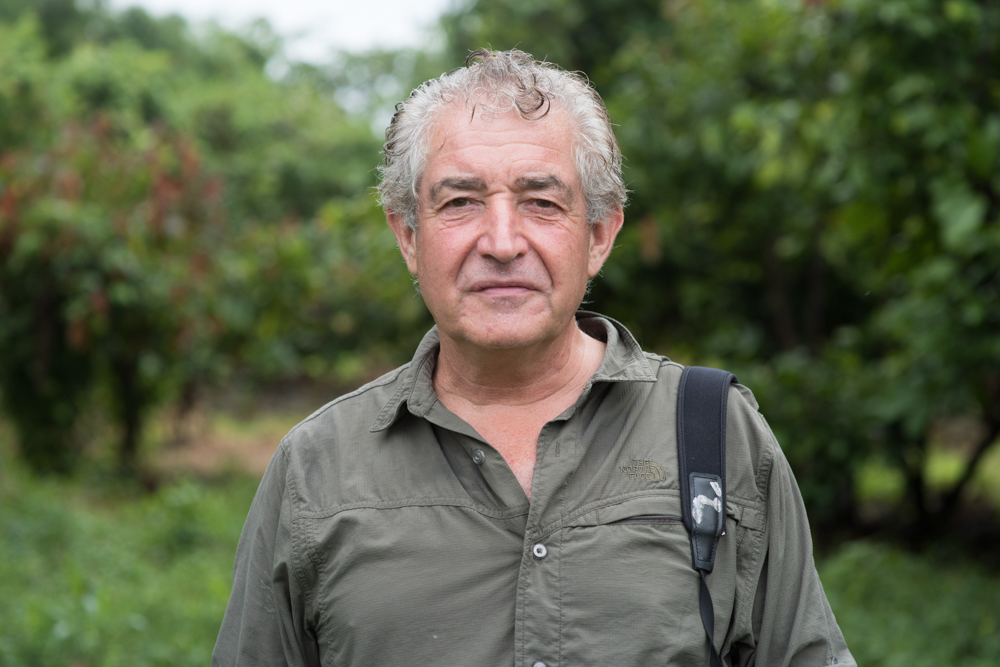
column 104, row 247
column 923, row 89
column 172, row 215
column 815, row 207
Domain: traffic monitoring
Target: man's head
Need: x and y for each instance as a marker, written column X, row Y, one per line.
column 502, row 184
column 495, row 83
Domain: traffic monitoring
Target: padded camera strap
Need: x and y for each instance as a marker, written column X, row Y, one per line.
column 701, row 457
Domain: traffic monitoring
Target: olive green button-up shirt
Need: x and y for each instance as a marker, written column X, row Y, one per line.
column 387, row 532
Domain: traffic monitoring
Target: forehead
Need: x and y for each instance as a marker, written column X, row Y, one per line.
column 465, row 140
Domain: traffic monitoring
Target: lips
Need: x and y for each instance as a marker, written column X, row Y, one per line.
column 502, row 287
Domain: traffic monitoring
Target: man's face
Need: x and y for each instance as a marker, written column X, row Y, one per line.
column 502, row 248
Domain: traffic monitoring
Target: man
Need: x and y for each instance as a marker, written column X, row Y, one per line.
column 511, row 495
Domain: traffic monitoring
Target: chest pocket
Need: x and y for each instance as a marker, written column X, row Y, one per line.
column 627, row 590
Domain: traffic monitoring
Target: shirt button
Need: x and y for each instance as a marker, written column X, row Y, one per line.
column 539, row 664
column 478, row 456
column 540, row 551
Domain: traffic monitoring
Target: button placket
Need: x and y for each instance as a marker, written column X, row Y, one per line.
column 538, row 627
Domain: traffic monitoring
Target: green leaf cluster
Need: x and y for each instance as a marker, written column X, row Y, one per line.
column 816, row 205
column 897, row 609
column 103, row 249
column 173, row 212
column 118, row 578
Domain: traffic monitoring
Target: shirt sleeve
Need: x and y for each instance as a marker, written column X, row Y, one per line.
column 793, row 622
column 265, row 621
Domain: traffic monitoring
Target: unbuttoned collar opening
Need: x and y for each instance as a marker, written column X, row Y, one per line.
column 623, row 361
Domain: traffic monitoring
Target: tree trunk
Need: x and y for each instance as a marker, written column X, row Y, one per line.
column 777, row 293
column 950, row 500
column 130, row 405
column 816, row 295
column 912, row 458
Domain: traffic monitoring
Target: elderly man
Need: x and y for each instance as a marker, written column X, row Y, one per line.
column 511, row 496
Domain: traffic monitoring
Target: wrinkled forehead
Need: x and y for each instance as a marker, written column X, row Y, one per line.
column 497, row 140
column 555, row 127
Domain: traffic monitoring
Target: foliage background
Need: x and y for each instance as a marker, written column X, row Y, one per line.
column 815, row 205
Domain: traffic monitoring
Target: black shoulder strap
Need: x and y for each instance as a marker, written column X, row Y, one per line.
column 701, row 457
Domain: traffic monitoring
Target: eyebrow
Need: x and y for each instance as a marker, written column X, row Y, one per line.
column 526, row 184
column 473, row 184
column 541, row 183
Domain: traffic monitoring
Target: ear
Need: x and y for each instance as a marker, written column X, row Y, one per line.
column 406, row 238
column 602, row 240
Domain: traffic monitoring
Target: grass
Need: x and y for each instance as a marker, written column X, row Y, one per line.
column 99, row 578
column 900, row 610
column 100, row 574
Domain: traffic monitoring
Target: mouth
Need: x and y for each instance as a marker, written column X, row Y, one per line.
column 502, row 288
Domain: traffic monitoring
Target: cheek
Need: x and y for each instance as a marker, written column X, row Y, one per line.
column 570, row 263
column 439, row 258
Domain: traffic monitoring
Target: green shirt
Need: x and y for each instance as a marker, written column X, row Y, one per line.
column 387, row 532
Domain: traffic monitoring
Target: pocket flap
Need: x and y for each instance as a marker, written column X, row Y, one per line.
column 665, row 505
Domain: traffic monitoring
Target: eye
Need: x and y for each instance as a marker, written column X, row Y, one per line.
column 458, row 202
column 543, row 203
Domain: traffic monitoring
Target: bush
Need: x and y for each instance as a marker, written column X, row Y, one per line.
column 115, row 579
column 897, row 609
column 105, row 257
column 816, row 207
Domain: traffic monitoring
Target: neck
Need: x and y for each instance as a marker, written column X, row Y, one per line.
column 516, row 377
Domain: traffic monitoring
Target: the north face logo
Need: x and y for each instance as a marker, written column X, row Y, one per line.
column 644, row 469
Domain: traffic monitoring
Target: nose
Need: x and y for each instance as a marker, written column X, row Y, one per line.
column 501, row 237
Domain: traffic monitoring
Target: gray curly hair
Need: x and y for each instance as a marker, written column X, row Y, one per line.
column 498, row 82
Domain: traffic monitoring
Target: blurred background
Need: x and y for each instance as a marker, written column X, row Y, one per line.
column 192, row 260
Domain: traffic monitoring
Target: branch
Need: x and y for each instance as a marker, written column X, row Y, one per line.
column 906, row 450
column 953, row 495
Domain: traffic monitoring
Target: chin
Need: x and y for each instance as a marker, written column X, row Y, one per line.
column 499, row 341
column 510, row 332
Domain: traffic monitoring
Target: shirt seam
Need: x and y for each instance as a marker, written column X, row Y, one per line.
column 767, row 460
column 559, row 589
column 519, row 610
column 555, row 526
column 300, row 542
column 319, row 565
column 748, row 587
column 664, row 361
column 401, row 503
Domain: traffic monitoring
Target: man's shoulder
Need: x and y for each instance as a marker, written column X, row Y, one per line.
column 345, row 419
column 669, row 373
column 742, row 404
column 325, row 455
column 750, row 444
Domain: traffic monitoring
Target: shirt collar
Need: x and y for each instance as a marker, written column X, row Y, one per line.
column 623, row 361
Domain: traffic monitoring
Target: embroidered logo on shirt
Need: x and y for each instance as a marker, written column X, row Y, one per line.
column 644, row 469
